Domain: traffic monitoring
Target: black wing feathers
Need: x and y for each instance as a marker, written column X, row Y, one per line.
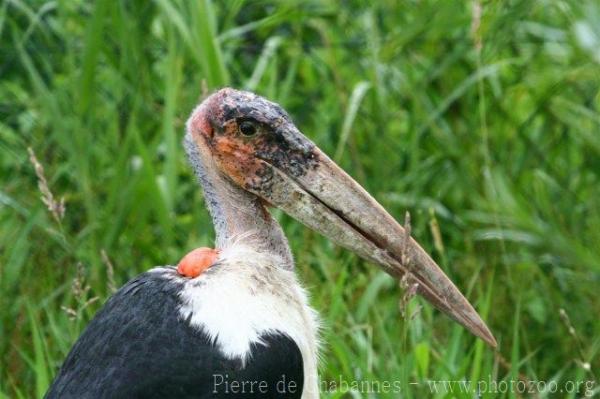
column 137, row 346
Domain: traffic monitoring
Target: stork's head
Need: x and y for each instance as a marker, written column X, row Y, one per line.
column 254, row 143
column 249, row 136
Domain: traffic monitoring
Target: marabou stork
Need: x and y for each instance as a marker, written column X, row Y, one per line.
column 235, row 321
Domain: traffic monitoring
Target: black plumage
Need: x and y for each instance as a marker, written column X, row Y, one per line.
column 137, row 346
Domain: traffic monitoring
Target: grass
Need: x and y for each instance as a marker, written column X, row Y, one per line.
column 482, row 120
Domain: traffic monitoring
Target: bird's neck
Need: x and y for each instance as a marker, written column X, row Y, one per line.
column 236, row 213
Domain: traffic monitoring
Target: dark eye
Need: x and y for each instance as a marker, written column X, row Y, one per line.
column 248, row 128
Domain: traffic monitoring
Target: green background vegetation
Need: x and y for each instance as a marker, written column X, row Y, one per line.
column 486, row 128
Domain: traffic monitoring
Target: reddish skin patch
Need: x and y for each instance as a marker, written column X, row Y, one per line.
column 237, row 159
column 203, row 124
column 234, row 156
column 197, row 261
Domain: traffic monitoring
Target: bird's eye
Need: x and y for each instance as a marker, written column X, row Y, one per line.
column 248, row 128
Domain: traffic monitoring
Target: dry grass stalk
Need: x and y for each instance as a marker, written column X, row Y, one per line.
column 476, row 25
column 110, row 271
column 573, row 333
column 204, row 92
column 434, row 226
column 56, row 208
column 80, row 290
column 407, row 282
